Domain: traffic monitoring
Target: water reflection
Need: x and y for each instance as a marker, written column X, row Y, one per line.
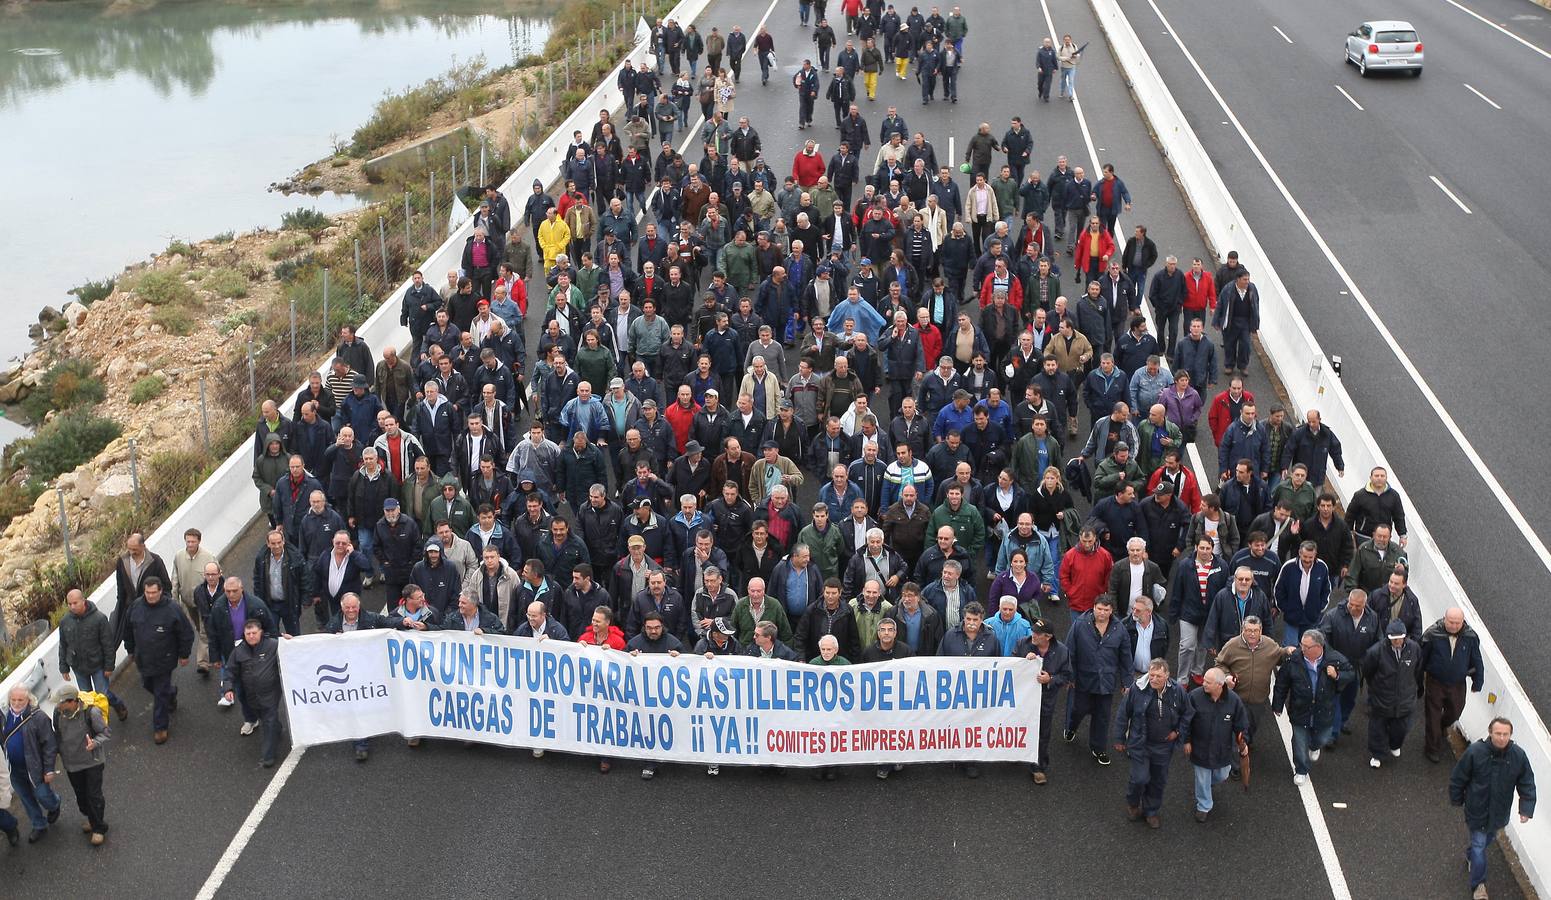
column 170, row 44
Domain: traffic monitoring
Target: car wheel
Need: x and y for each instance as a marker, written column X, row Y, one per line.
column 1416, row 73
column 1362, row 66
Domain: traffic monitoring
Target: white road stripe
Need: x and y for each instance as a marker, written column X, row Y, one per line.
column 1456, row 200
column 250, row 825
column 1494, row 487
column 1311, row 807
column 1350, row 98
column 1282, row 33
column 1470, row 12
column 1482, row 96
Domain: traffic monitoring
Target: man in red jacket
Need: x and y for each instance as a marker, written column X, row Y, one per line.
column 1085, row 572
column 1226, row 406
column 808, row 166
column 1200, row 293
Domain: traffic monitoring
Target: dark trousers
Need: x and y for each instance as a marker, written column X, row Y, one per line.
column 290, row 618
column 804, row 109
column 1149, row 775
column 1046, row 715
column 735, row 63
column 899, row 389
column 980, row 228
column 1386, row 733
column 270, row 735
column 714, row 60
column 950, row 88
column 440, row 462
column 1235, row 346
column 393, row 589
column 824, row 57
column 1168, row 329
column 1045, row 78
column 928, row 85
column 1444, row 703
column 87, row 785
column 1081, row 704
column 162, row 695
column 1059, row 215
column 841, row 109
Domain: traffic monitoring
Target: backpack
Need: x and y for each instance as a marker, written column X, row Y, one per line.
column 92, row 698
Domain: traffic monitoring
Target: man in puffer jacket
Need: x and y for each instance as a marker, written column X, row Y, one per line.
column 81, row 731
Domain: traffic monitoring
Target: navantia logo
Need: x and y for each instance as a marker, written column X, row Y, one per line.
column 335, row 674
column 333, row 687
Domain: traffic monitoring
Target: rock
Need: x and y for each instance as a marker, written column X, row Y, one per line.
column 11, row 391
column 118, row 369
column 85, row 483
column 140, row 369
column 32, row 378
column 76, row 314
column 47, row 314
column 112, row 487
column 35, row 332
column 314, row 186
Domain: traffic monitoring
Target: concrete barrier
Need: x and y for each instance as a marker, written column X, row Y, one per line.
column 225, row 505
column 1306, row 373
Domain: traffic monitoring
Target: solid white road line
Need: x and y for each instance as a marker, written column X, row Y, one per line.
column 1495, row 487
column 1456, row 200
column 1311, row 808
column 1472, row 13
column 223, row 866
column 1282, row 33
column 1350, row 99
column 1482, row 96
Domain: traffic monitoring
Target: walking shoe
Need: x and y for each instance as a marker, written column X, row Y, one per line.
column 1152, row 822
column 883, row 772
column 122, row 709
column 1313, row 756
column 604, row 766
column 86, row 827
column 713, row 770
column 1479, row 893
column 412, row 742
column 648, row 774
column 159, row 736
column 38, row 835
column 247, row 728
column 53, row 814
column 97, row 839
column 1395, row 753
column 1200, row 815
column 13, row 837
column 266, row 764
column 1373, row 762
column 1068, row 735
column 361, row 755
column 1133, row 813
column 1300, row 779
column 1431, row 756
column 1101, row 757
column 538, row 754
column 224, row 702
column 1039, row 777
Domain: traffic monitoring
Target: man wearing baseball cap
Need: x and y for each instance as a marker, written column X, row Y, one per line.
column 1392, row 670
column 1055, row 673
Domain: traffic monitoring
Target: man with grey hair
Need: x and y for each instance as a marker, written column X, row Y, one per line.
column 1151, row 719
column 714, row 601
column 1215, row 732
column 1307, row 685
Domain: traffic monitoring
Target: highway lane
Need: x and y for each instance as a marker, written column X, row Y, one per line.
column 403, row 820
column 1418, row 258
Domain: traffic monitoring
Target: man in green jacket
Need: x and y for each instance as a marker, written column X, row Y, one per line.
column 1039, row 444
column 824, row 540
column 1117, row 468
column 1156, row 435
column 739, row 264
column 969, row 528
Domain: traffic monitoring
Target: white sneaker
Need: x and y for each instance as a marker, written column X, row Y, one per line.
column 1300, row 779
column 248, row 728
column 713, row 770
column 1374, row 762
column 1395, row 753
column 1313, row 756
column 225, row 701
column 538, row 754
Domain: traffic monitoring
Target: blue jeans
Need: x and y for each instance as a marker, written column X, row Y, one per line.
column 96, row 681
column 1205, row 779
column 764, row 67
column 1138, row 276
column 365, row 541
column 804, row 10
column 662, row 62
column 1346, row 700
column 1068, row 82
column 37, row 799
column 1291, row 634
column 1053, row 544
column 1305, row 740
column 1476, row 855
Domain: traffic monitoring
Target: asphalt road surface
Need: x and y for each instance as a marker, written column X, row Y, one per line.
column 447, row 817
column 1461, row 292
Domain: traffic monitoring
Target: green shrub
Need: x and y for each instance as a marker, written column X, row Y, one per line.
column 238, row 319
column 92, row 291
column 58, row 325
column 305, row 219
column 174, row 320
column 16, row 499
column 226, row 283
column 398, row 115
column 162, row 287
column 67, row 384
column 252, row 270
column 287, row 245
column 146, row 389
column 292, row 269
column 71, row 439
column 225, row 237
column 182, row 248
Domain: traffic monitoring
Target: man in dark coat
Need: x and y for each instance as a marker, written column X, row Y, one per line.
column 1151, row 719
column 1307, row 685
column 136, row 565
column 1055, row 673
column 1101, row 662
column 160, row 638
column 1215, row 734
column 1483, row 783
column 253, row 667
column 1393, row 672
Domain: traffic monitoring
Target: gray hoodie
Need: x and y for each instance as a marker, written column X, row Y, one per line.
column 71, row 730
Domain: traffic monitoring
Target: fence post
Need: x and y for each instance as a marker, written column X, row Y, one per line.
column 382, row 250
column 252, row 378
column 64, row 527
column 293, row 333
column 409, row 238
column 568, row 70
column 204, row 414
column 325, row 306
column 432, row 203
column 134, row 472
column 357, row 298
column 482, row 160
column 465, row 159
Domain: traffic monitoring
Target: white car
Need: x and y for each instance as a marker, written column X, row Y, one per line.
column 1382, row 45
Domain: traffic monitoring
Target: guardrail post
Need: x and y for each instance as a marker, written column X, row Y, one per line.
column 252, row 378
column 293, row 333
column 64, row 527
column 432, row 204
column 409, row 238
column 325, row 306
column 382, row 250
column 134, row 472
column 357, row 297
column 204, row 414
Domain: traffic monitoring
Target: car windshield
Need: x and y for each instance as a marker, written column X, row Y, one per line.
column 1396, row 37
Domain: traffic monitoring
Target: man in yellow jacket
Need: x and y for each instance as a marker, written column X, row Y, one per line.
column 554, row 237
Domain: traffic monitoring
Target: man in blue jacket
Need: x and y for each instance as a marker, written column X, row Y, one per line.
column 1101, row 661
column 1307, row 685
column 1483, row 783
column 1302, row 592
column 1451, row 656
column 1149, row 731
column 1238, row 318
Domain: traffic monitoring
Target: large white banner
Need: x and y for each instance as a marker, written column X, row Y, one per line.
column 557, row 695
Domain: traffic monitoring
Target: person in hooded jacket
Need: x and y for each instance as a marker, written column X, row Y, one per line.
column 1393, row 672
column 81, row 734
column 437, row 577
